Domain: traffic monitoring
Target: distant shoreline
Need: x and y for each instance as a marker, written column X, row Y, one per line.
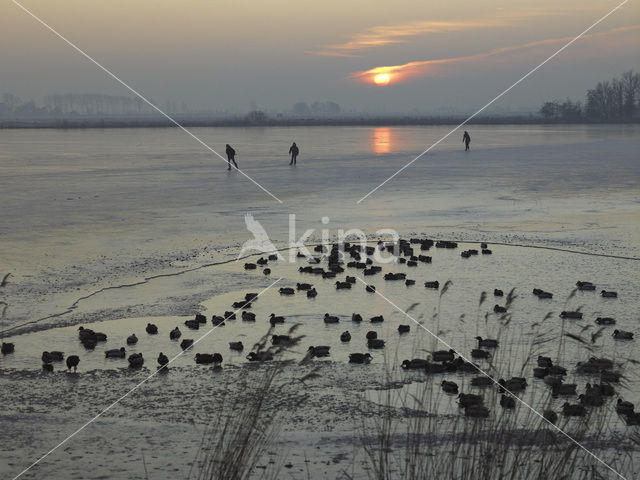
column 379, row 121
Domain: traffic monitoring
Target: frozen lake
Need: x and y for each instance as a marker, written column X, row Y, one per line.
column 84, row 209
column 121, row 227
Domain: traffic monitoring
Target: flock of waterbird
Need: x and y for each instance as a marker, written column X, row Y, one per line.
column 440, row 362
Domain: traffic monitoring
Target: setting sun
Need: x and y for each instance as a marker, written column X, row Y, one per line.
column 381, row 79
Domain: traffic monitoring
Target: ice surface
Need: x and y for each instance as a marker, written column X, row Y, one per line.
column 92, row 221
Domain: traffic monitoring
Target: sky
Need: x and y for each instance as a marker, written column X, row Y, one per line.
column 231, row 55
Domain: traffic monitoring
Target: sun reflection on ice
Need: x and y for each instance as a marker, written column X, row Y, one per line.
column 381, row 140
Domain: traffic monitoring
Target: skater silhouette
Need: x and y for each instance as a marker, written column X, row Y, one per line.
column 466, row 138
column 294, row 150
column 231, row 154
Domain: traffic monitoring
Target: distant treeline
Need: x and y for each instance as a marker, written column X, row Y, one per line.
column 259, row 119
column 71, row 104
column 317, row 108
column 617, row 100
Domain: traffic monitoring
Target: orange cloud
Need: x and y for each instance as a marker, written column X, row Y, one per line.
column 403, row 72
column 382, row 35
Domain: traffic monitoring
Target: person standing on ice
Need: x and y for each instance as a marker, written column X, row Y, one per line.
column 294, row 151
column 466, row 138
column 231, row 154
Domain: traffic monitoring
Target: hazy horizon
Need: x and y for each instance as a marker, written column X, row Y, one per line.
column 228, row 57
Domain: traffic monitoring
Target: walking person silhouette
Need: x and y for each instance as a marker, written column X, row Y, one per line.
column 294, row 151
column 466, row 138
column 231, row 154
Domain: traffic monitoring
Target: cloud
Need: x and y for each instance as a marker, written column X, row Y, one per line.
column 611, row 39
column 382, row 35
